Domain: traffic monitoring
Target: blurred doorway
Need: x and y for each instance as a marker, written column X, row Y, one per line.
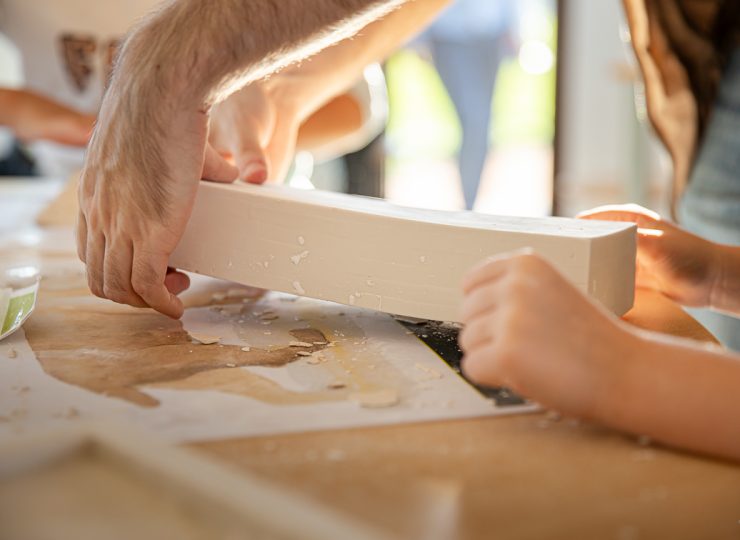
column 430, row 105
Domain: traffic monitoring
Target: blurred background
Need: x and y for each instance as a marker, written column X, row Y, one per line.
column 518, row 107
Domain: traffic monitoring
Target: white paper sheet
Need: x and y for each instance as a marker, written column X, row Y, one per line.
column 372, row 352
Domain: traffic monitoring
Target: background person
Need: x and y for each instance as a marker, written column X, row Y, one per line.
column 469, row 41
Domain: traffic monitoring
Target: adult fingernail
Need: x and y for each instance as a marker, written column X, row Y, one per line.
column 254, row 172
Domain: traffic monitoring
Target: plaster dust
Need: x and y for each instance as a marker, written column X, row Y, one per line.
column 376, row 400
column 83, row 358
column 204, row 339
column 369, row 253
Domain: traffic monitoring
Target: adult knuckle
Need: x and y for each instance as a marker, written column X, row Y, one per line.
column 142, row 285
column 114, row 278
column 115, row 293
column 93, row 284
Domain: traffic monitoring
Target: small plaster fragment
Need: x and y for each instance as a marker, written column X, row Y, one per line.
column 377, row 399
column 335, row 455
column 296, row 259
column 300, row 344
column 12, row 353
column 298, row 288
column 246, row 349
column 231, row 310
column 204, row 338
column 237, row 293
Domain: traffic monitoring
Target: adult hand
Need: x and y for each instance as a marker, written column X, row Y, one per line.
column 529, row 329
column 257, row 130
column 34, row 117
column 137, row 192
column 675, row 262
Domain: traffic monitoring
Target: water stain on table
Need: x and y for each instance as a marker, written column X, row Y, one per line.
column 119, row 353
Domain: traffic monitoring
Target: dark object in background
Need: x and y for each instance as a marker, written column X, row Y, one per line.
column 17, row 163
column 366, row 169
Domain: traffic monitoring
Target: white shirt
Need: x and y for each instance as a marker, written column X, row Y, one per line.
column 66, row 48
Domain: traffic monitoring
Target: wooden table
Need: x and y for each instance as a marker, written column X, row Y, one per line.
column 530, row 476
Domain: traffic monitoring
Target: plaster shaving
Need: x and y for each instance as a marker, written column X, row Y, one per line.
column 204, row 339
column 377, row 399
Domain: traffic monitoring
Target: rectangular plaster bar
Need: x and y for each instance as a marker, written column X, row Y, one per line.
column 370, row 253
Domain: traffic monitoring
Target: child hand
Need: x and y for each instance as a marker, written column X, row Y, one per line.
column 257, row 131
column 528, row 328
column 675, row 262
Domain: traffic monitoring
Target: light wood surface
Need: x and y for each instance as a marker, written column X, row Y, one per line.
column 515, row 477
column 95, row 481
column 530, row 476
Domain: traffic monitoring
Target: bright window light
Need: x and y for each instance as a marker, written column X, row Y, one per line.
column 536, row 57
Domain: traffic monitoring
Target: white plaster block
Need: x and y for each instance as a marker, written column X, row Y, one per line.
column 370, row 253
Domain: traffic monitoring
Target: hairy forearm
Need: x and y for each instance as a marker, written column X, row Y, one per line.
column 200, row 51
column 725, row 294
column 335, row 69
column 677, row 392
